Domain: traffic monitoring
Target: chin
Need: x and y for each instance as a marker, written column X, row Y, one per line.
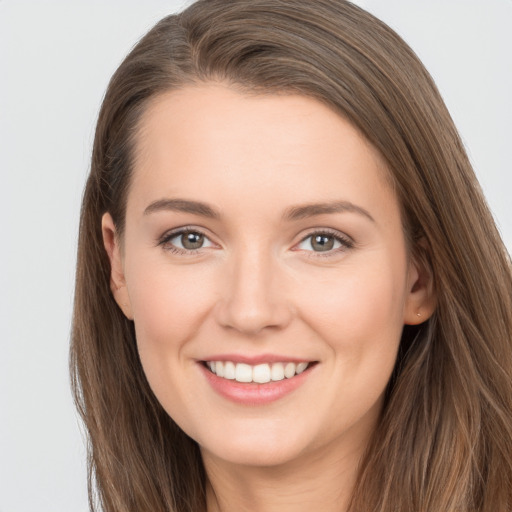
column 259, row 449
column 255, row 456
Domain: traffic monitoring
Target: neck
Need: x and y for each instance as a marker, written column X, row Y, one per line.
column 323, row 480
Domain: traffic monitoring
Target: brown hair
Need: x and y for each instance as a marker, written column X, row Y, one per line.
column 444, row 442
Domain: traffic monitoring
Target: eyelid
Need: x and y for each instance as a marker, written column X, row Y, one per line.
column 173, row 233
column 346, row 242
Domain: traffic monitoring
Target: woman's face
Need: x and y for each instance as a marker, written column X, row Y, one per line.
column 262, row 235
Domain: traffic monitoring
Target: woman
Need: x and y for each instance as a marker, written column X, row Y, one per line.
column 290, row 292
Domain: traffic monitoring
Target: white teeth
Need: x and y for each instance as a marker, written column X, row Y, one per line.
column 243, row 373
column 277, row 372
column 289, row 370
column 260, row 373
column 229, row 370
column 301, row 367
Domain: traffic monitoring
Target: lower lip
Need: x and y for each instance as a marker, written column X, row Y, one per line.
column 252, row 393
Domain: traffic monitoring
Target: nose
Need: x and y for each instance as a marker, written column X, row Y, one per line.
column 253, row 294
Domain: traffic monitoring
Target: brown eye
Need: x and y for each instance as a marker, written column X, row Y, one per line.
column 322, row 242
column 192, row 240
column 185, row 241
column 326, row 242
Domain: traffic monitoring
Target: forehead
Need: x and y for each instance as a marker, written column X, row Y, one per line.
column 214, row 139
column 214, row 108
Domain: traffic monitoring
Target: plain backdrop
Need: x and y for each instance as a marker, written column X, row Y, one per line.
column 56, row 58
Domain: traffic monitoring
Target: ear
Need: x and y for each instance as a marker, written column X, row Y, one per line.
column 421, row 300
column 117, row 279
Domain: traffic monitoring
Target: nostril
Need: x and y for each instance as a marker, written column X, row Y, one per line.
column 251, row 317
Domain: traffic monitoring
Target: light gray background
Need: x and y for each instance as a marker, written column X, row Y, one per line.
column 56, row 58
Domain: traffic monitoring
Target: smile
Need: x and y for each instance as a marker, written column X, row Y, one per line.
column 260, row 373
column 256, row 380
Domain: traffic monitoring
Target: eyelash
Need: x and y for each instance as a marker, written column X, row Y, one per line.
column 165, row 239
column 346, row 242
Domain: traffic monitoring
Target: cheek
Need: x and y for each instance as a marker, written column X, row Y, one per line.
column 356, row 302
column 169, row 306
column 168, row 301
column 359, row 318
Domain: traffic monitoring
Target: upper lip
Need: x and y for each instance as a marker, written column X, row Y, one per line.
column 257, row 359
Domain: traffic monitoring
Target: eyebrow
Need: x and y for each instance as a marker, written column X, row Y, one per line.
column 310, row 210
column 182, row 205
column 293, row 213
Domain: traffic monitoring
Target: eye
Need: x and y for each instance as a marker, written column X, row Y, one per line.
column 325, row 242
column 185, row 240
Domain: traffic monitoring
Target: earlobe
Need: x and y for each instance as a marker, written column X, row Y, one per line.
column 421, row 299
column 117, row 278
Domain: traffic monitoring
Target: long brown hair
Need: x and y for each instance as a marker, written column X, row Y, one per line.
column 444, row 441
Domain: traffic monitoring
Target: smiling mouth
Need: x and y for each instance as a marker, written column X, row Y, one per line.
column 260, row 373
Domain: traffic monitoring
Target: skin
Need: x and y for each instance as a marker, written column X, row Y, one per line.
column 258, row 286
